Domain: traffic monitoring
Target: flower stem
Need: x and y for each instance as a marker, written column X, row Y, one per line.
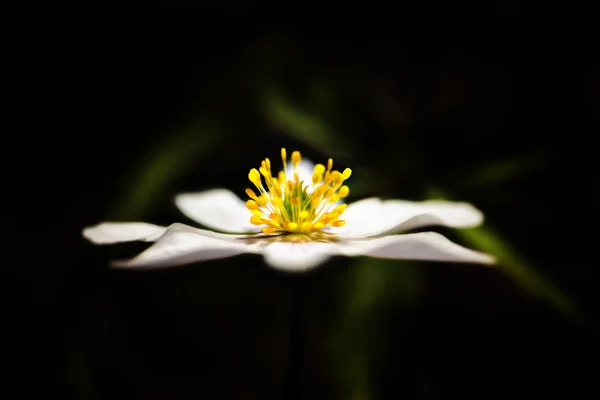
column 296, row 340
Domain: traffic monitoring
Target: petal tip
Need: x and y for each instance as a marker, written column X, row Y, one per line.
column 119, row 264
column 465, row 215
column 489, row 260
column 96, row 234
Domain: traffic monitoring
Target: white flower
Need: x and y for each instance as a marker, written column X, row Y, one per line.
column 294, row 222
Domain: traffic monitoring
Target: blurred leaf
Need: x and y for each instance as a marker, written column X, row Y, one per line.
column 314, row 131
column 297, row 123
column 374, row 282
column 492, row 173
column 512, row 263
column 161, row 165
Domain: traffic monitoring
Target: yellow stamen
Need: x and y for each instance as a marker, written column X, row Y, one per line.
column 283, row 205
column 343, row 192
column 284, row 159
column 251, row 193
column 340, row 209
column 274, row 224
column 264, row 172
column 262, row 200
column 254, row 177
column 296, row 158
column 334, row 197
column 346, row 174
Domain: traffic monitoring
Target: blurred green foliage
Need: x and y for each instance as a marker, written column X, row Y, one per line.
column 402, row 135
column 512, row 263
column 371, row 286
column 113, row 107
column 159, row 164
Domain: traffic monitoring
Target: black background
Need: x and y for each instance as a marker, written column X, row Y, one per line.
column 495, row 103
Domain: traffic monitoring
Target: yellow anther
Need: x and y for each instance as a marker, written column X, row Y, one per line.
column 268, row 230
column 318, row 225
column 326, row 218
column 292, row 226
column 329, row 164
column 318, row 192
column 282, row 178
column 262, row 200
column 274, row 216
column 339, row 223
column 306, row 226
column 256, row 220
column 251, row 193
column 340, row 209
column 303, row 214
column 318, row 172
column 254, row 177
column 274, row 224
column 295, row 200
column 343, row 192
column 264, row 172
column 258, row 213
column 296, row 158
column 335, row 176
column 346, row 174
column 283, row 155
column 268, row 163
column 316, row 178
column 251, row 205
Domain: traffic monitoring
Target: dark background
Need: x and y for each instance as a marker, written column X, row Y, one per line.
column 111, row 108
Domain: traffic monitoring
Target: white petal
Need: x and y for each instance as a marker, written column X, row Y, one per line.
column 298, row 256
column 182, row 244
column 219, row 209
column 373, row 216
column 115, row 232
column 416, row 246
